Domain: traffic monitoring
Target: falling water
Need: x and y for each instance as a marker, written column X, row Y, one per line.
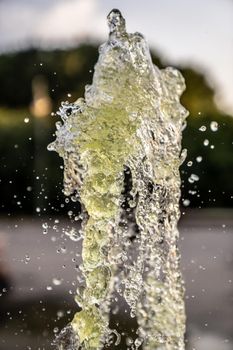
column 121, row 147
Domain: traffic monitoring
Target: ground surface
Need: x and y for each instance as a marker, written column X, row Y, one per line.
column 42, row 269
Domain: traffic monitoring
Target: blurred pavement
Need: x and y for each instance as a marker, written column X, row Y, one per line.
column 43, row 270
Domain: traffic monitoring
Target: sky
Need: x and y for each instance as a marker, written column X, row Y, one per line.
column 197, row 33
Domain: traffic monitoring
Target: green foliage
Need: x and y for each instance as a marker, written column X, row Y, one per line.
column 214, row 187
column 22, row 158
column 65, row 72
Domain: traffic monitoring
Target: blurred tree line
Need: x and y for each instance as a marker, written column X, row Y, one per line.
column 31, row 177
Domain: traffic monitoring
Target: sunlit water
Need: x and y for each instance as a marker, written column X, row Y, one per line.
column 121, row 147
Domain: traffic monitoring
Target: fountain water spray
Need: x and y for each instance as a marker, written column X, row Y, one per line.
column 121, row 147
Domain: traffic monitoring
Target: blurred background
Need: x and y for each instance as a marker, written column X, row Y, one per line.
column 48, row 49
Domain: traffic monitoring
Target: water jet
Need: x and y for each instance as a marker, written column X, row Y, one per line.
column 121, row 146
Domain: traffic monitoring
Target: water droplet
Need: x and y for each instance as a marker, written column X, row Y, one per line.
column 186, row 202
column 73, row 235
column 27, row 259
column 129, row 341
column 60, row 313
column 193, row 178
column 51, row 147
column 56, row 281
column 45, row 228
column 202, row 128
column 214, row 126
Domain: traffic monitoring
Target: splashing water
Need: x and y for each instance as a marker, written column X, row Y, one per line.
column 121, row 147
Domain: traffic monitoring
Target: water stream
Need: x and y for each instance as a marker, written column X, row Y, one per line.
column 121, row 146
